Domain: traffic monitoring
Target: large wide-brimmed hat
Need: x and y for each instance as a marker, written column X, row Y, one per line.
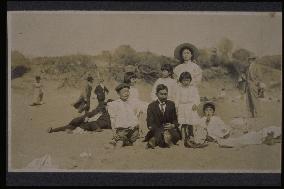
column 201, row 107
column 189, row 46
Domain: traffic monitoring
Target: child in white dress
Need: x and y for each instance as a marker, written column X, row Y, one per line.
column 38, row 92
column 167, row 80
column 187, row 100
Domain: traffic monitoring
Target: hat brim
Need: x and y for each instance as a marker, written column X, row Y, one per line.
column 177, row 53
column 201, row 105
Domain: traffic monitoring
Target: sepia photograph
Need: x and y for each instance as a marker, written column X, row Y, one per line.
column 144, row 91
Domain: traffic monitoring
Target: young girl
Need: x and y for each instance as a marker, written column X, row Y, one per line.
column 187, row 100
column 38, row 92
column 166, row 79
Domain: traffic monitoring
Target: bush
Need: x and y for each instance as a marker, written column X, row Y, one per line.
column 274, row 61
column 19, row 71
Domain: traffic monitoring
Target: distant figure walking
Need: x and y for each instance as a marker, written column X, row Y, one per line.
column 83, row 102
column 38, row 92
column 252, row 86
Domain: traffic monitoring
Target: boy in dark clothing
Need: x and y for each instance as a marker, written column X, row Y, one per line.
column 101, row 91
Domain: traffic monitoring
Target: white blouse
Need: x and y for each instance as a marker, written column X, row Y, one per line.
column 122, row 114
column 216, row 128
column 192, row 68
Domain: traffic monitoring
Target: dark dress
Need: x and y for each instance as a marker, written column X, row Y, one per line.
column 101, row 93
column 83, row 102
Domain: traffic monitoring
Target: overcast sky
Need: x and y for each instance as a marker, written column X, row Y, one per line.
column 63, row 33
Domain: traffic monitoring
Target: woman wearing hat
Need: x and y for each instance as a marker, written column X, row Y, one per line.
column 187, row 53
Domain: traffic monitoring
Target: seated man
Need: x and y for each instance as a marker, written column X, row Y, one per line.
column 162, row 121
column 95, row 120
column 124, row 122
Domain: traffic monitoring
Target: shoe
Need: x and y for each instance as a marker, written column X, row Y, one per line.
column 119, row 143
column 127, row 143
column 49, row 129
column 112, row 143
column 98, row 130
column 69, row 131
column 148, row 146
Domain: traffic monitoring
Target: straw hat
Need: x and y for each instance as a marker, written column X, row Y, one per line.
column 189, row 46
column 202, row 104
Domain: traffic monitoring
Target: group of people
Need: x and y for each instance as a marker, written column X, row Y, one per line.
column 171, row 116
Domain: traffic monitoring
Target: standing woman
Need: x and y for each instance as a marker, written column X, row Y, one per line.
column 187, row 53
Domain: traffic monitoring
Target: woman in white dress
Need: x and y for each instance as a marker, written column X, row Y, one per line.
column 187, row 100
column 167, row 80
column 187, row 53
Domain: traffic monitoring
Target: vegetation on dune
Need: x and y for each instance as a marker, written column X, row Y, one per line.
column 217, row 62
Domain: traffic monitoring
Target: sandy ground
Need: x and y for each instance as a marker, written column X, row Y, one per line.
column 29, row 139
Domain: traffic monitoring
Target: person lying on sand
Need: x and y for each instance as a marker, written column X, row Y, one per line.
column 218, row 132
column 96, row 120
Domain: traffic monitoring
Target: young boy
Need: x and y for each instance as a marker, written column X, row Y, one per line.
column 124, row 122
column 38, row 92
column 101, row 91
column 83, row 102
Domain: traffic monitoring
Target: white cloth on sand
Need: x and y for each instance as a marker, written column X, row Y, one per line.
column 253, row 137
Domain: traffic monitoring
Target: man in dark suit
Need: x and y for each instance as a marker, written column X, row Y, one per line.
column 101, row 91
column 162, row 121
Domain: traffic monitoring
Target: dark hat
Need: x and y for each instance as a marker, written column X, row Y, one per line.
column 121, row 86
column 90, row 78
column 251, row 57
column 189, row 46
